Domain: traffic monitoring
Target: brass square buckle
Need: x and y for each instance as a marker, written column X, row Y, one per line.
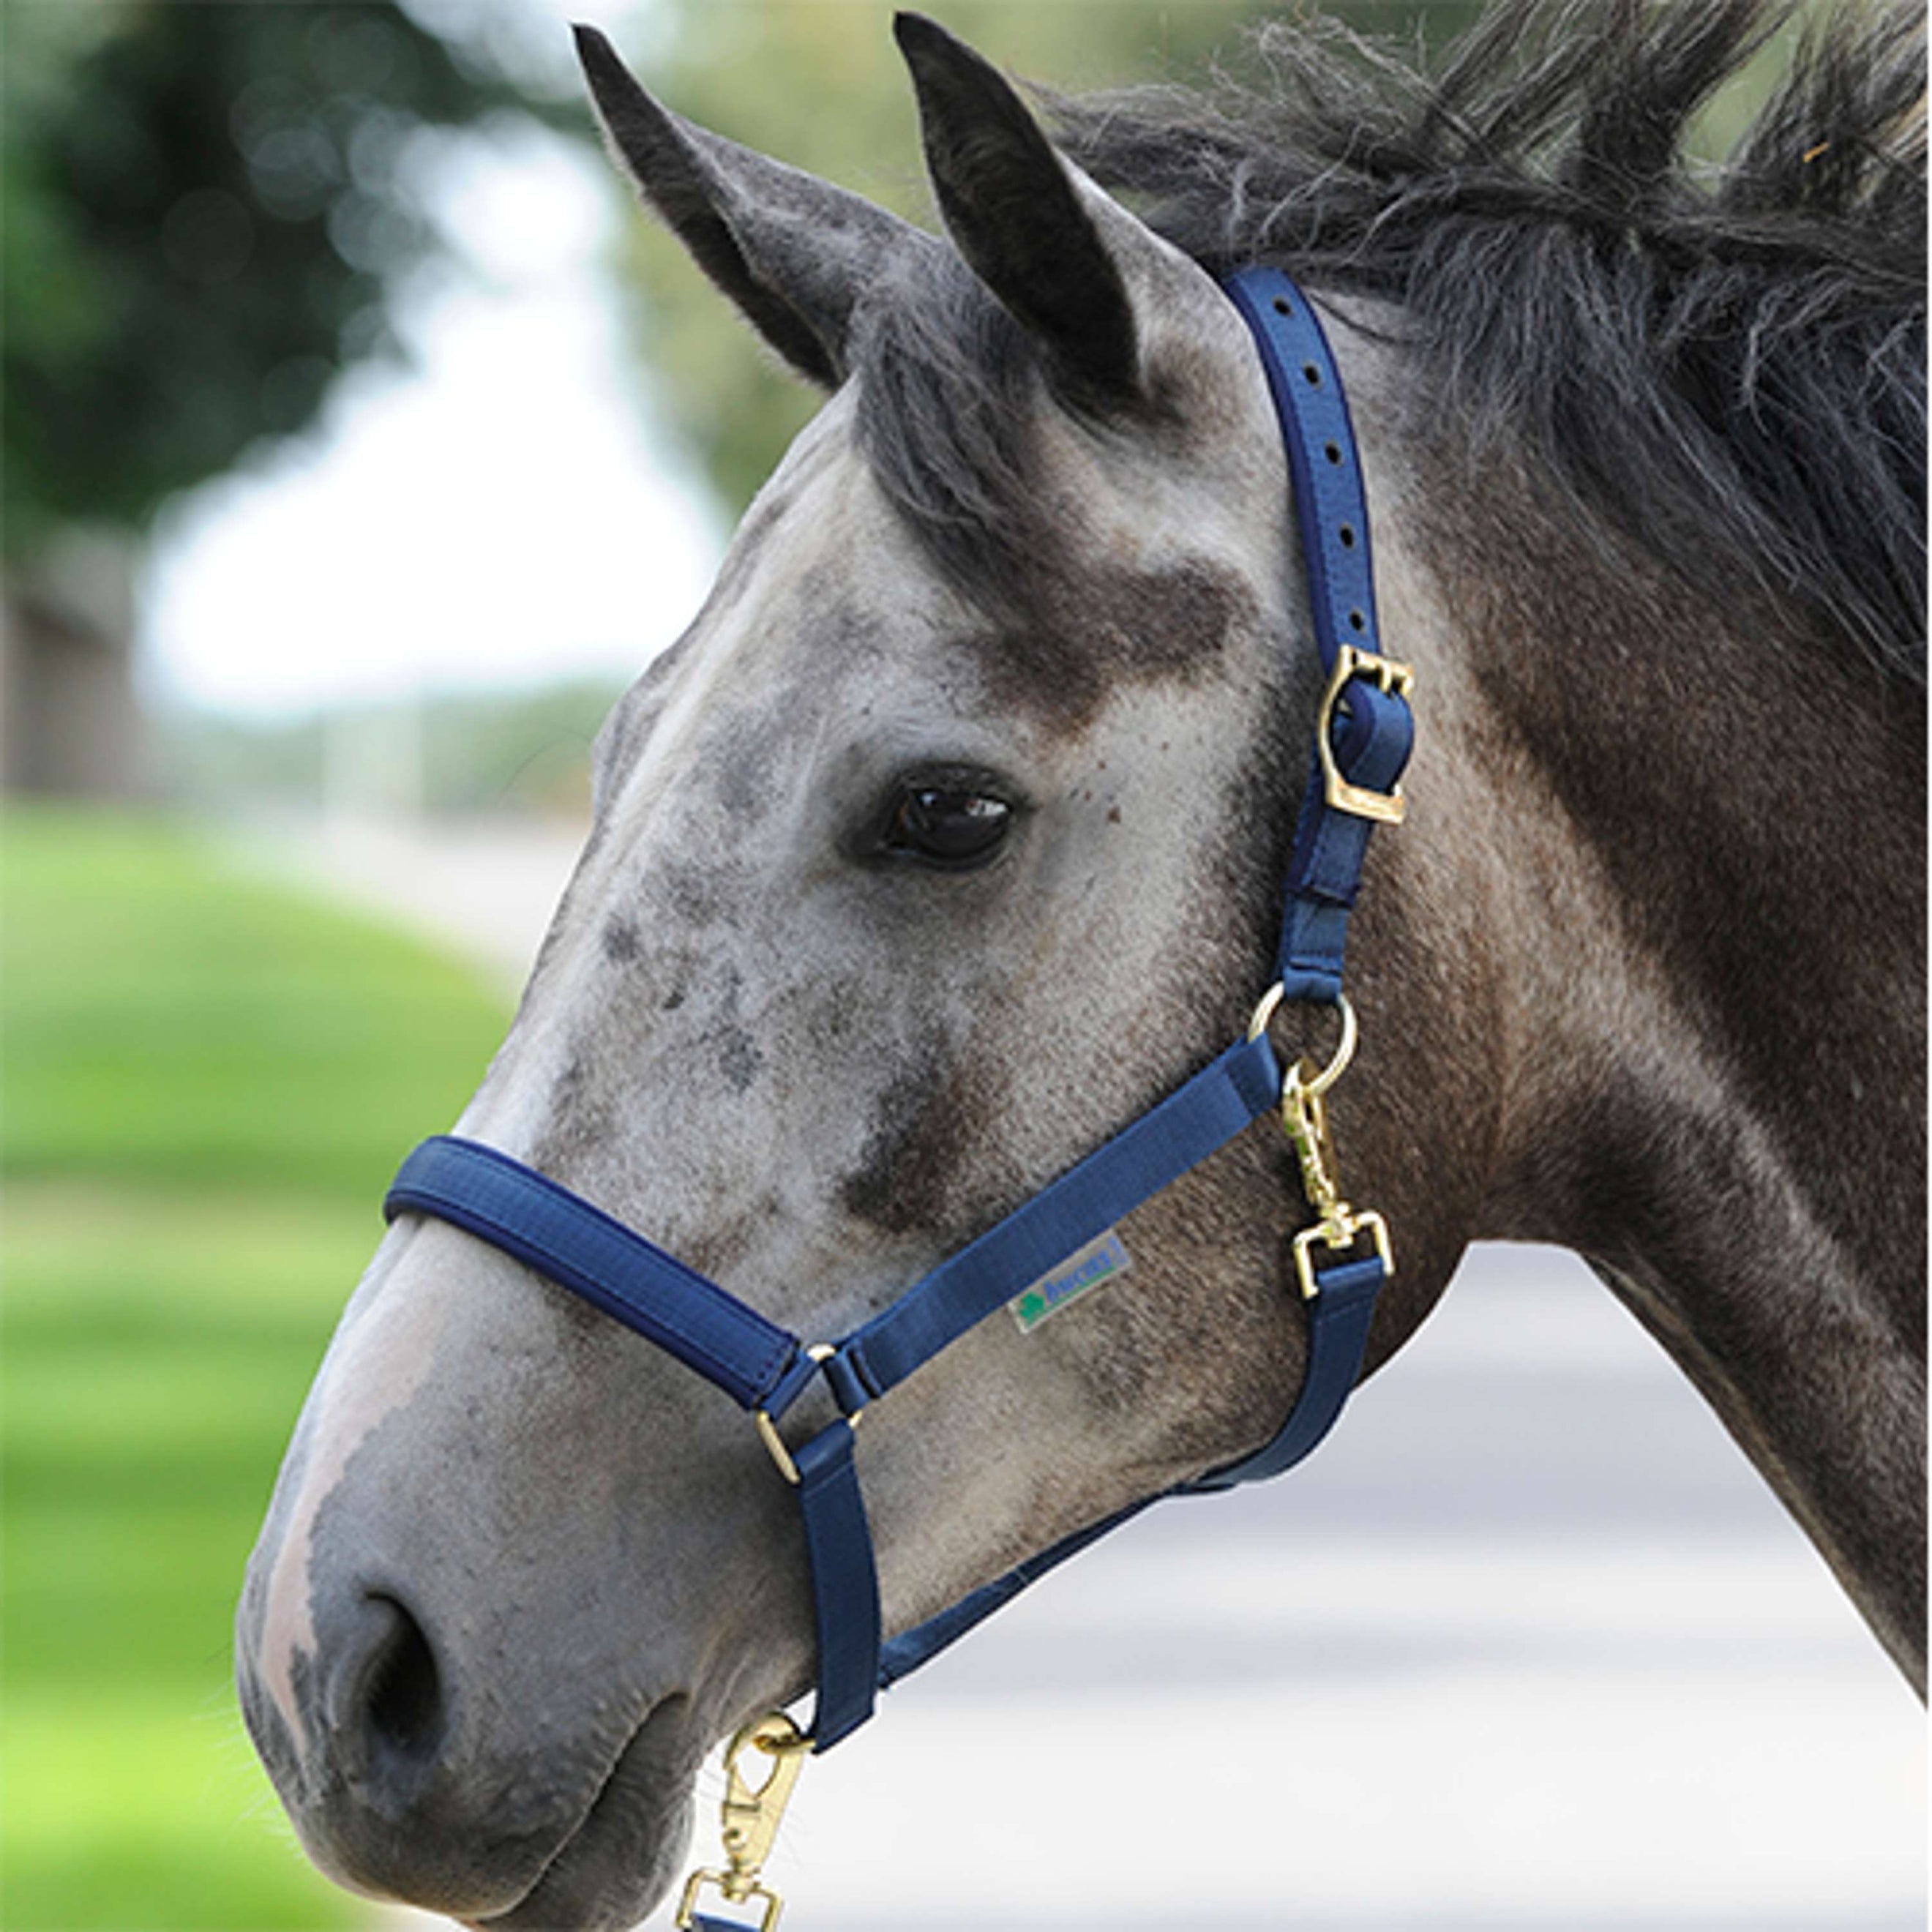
column 687, row 1911
column 1384, row 807
column 1337, row 1232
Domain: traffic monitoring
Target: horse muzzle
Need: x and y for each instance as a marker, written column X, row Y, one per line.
column 413, row 1774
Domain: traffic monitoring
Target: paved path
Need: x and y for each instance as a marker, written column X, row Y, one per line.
column 1527, row 1648
column 487, row 887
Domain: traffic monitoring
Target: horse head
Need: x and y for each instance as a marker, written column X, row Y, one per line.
column 949, row 837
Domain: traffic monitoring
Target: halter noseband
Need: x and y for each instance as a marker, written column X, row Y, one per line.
column 1363, row 736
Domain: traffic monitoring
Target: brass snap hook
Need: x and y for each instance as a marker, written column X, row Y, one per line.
column 750, row 1817
column 1304, row 1120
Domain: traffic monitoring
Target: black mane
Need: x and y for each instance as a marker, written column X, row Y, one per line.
column 1730, row 362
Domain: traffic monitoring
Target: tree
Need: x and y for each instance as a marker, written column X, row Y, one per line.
column 204, row 210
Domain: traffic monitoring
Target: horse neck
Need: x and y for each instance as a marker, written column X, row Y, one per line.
column 1712, row 902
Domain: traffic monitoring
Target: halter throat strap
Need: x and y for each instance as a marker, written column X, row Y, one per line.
column 1363, row 734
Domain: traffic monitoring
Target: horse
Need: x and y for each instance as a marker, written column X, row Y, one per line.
column 950, row 837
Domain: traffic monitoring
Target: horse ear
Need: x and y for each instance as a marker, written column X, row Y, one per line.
column 794, row 252
column 1023, row 219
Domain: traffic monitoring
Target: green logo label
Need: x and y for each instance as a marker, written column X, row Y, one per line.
column 1098, row 1261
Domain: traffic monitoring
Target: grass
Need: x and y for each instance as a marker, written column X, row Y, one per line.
column 207, row 1081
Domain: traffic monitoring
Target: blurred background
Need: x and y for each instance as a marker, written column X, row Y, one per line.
column 360, row 443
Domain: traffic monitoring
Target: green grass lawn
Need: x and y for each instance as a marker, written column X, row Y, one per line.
column 207, row 1082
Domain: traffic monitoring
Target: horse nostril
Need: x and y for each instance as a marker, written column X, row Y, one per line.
column 402, row 1697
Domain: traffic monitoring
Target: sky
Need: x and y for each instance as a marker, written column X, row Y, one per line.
column 500, row 514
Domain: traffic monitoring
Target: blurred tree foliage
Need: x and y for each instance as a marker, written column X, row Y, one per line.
column 202, row 208
column 822, row 87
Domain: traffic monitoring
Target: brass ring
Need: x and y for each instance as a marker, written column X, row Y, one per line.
column 1264, row 1011
column 768, row 1429
column 1344, row 1052
column 824, row 1351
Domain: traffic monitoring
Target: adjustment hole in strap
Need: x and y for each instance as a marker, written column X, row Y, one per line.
column 1347, row 534
column 1312, row 374
column 1332, row 451
column 1282, row 306
column 1356, row 621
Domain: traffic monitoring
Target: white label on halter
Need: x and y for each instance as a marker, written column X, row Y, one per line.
column 1099, row 1261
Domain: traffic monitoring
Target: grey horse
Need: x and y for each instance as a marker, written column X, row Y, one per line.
column 951, row 835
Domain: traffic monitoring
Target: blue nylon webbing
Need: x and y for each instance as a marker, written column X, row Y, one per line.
column 565, row 1237
column 844, row 1584
column 1157, row 1149
column 579, row 1246
column 920, row 1645
column 1374, row 729
column 1338, row 1333
column 1331, row 508
column 1331, row 846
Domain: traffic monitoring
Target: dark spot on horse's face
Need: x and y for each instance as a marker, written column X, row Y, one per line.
column 739, row 1059
column 834, row 621
column 742, row 754
column 621, row 944
column 899, row 1183
column 913, row 1174
column 689, row 890
column 581, row 1121
column 1080, row 634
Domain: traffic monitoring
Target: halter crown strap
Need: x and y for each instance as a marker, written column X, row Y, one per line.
column 1365, row 725
column 1362, row 738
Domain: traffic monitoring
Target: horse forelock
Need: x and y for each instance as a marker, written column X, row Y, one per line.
column 947, row 387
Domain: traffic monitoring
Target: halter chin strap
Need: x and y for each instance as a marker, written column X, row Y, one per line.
column 1364, row 735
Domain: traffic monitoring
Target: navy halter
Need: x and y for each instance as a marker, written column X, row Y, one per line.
column 1364, row 736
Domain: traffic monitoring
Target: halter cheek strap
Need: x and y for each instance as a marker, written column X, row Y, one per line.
column 1363, row 735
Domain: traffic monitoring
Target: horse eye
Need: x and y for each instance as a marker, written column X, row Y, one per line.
column 950, row 827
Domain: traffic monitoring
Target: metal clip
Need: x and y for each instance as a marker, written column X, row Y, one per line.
column 1385, row 808
column 1304, row 1120
column 750, row 1818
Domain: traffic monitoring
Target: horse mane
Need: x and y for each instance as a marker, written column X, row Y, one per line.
column 1726, row 361
column 1729, row 360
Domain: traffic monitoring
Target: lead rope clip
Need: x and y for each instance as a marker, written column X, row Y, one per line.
column 749, row 1820
column 1304, row 1120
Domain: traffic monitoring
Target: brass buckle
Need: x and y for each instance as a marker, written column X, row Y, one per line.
column 1339, row 1230
column 1384, row 807
column 768, row 1429
column 687, row 1910
column 750, row 1818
